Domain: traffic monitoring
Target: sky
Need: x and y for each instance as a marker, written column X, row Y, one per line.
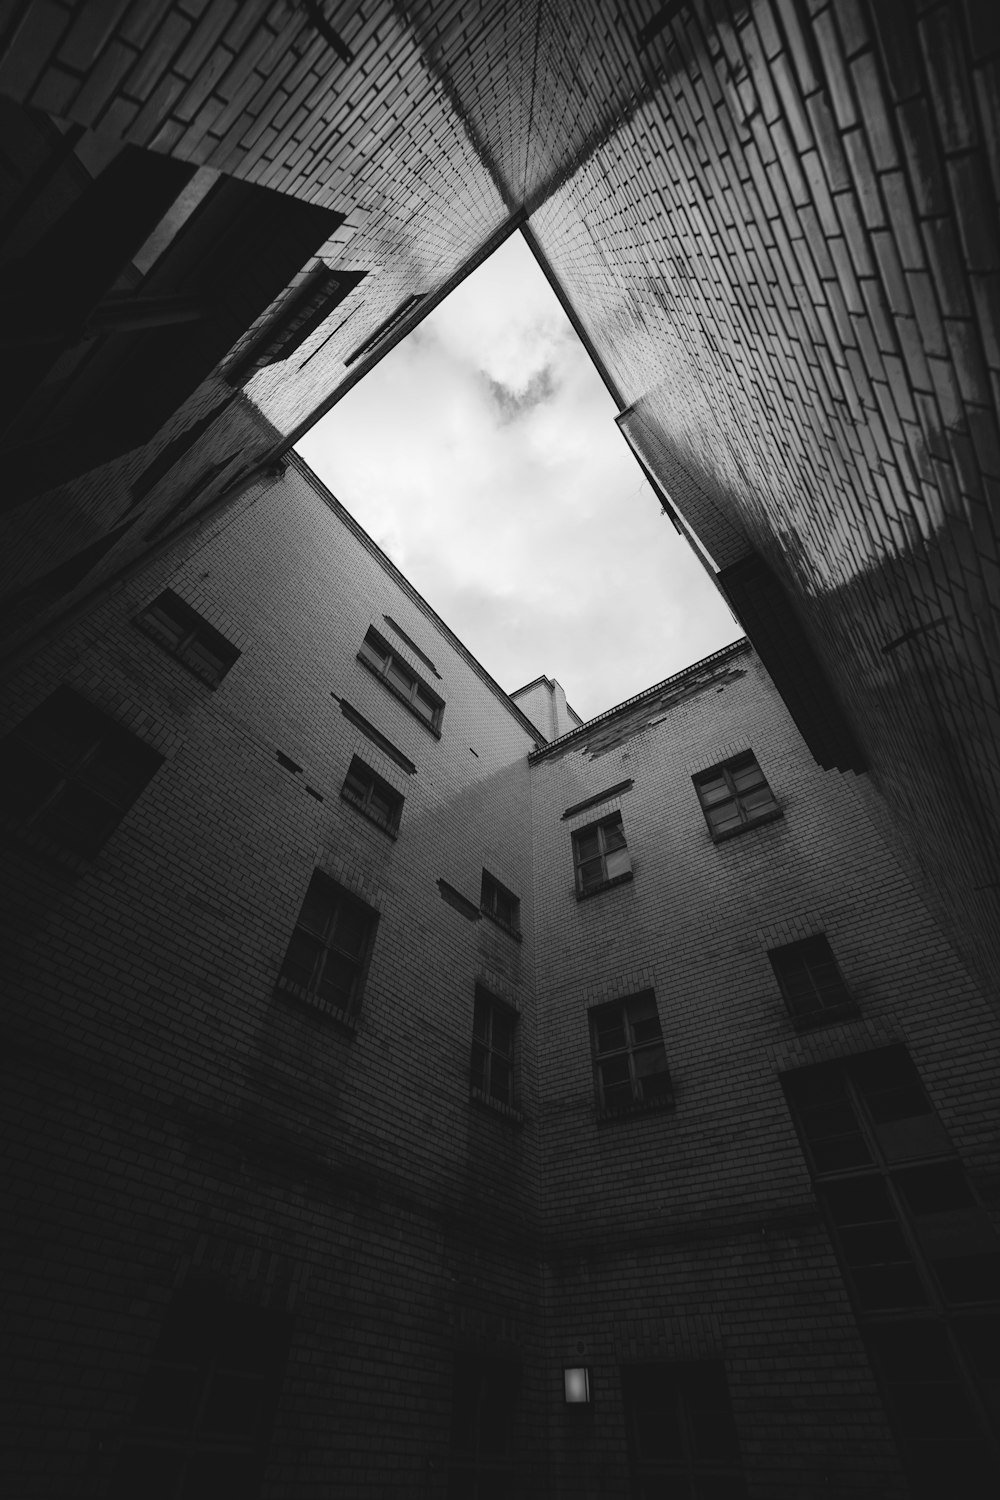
column 482, row 456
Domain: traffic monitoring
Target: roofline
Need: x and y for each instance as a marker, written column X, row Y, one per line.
column 550, row 682
column 296, row 461
column 735, row 648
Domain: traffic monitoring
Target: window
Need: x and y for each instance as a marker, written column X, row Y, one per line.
column 630, row 1064
column 326, row 958
column 500, row 904
column 385, row 328
column 810, row 982
column 205, row 1409
column 71, row 773
column 600, row 855
column 183, row 632
column 371, row 795
column 735, row 796
column 919, row 1254
column 309, row 305
column 494, row 1026
column 482, row 1465
column 682, row 1437
column 380, row 658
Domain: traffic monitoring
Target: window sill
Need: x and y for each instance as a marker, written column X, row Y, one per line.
column 369, row 817
column 639, row 1107
column 734, row 833
column 399, row 696
column 510, row 931
column 485, row 1101
column 606, row 885
column 346, row 1021
column 831, row 1017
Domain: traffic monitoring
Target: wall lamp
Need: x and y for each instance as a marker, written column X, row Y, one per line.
column 576, row 1385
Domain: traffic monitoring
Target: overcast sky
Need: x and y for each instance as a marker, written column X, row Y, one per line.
column 482, row 455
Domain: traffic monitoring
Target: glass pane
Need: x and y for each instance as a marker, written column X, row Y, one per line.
column 758, row 800
column 301, row 959
column 356, row 786
column 119, row 769
column 479, row 1058
column 425, row 705
column 481, row 1020
column 609, row 1029
column 888, row 1286
column 650, row 1061
column 861, row 1201
column 890, row 1086
column 503, row 1031
column 592, row 874
column 618, row 863
column 727, row 815
column 27, row 780
column 587, row 846
column 834, row 1136
column 318, row 907
column 208, row 663
column 614, row 836
column 644, row 1020
column 64, row 728
column 373, row 653
column 350, row 930
column 379, row 806
column 716, row 790
column 164, row 625
column 749, row 778
column 338, row 979
column 934, row 1189
column 616, row 1084
column 501, row 1079
column 969, row 1278
column 400, row 678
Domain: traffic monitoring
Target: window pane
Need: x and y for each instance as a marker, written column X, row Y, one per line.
column 614, row 836
column 591, row 874
column 479, row 1057
column 337, row 982
column 234, row 1403
column 618, row 863
column 726, row 816
column 165, row 625
column 758, row 800
column 714, row 791
column 426, row 705
column 609, row 1029
column 501, row 1079
column 650, row 1062
column 481, row 1020
column 356, row 786
column 118, row 769
column 934, row 1189
column 318, row 907
column 301, row 959
column 350, row 930
column 400, row 677
column 206, row 662
column 375, row 653
column 745, row 779
column 587, row 846
column 503, row 1031
column 644, row 1019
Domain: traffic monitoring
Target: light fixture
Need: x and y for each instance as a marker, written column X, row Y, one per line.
column 576, row 1385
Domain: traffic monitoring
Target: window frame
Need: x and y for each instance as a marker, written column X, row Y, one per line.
column 613, row 819
column 632, row 1047
column 820, row 1014
column 749, row 818
column 895, row 1145
column 194, row 626
column 487, row 1005
column 71, row 774
column 492, row 888
column 375, row 785
column 380, row 658
column 328, row 889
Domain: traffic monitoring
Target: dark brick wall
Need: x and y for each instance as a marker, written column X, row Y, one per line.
column 170, row 1116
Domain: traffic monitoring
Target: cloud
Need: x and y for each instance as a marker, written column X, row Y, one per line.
column 483, row 457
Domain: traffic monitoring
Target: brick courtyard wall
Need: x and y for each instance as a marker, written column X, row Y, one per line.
column 169, row 1114
column 692, row 1232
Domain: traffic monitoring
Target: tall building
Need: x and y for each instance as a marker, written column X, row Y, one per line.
column 772, row 222
column 414, row 1091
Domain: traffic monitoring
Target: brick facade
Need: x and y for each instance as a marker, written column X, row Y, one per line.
column 177, row 1121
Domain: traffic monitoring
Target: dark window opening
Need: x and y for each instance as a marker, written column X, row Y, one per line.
column 600, row 855
column 682, row 1436
column 496, row 901
column 735, row 795
column 302, row 312
column 183, row 632
column 205, row 1410
column 494, row 1029
column 72, row 773
column 810, row 982
column 372, row 796
column 917, row 1251
column 630, row 1063
column 329, row 950
column 400, row 678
